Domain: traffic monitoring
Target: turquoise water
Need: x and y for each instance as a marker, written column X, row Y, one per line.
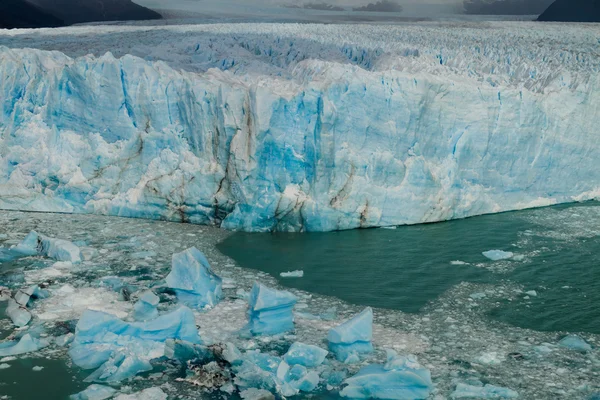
column 406, row 268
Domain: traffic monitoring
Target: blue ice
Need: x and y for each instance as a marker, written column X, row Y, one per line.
column 36, row 244
column 353, row 337
column 401, row 378
column 146, row 307
column 122, row 349
column 26, row 344
column 269, row 311
column 576, row 343
column 193, row 280
column 497, row 255
column 95, row 392
column 18, row 314
column 306, row 355
column 483, row 392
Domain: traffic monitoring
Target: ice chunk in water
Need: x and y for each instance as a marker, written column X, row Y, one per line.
column 353, row 336
column 305, row 354
column 576, row 343
column 184, row 351
column 94, row 392
column 101, row 337
column 118, row 368
column 17, row 313
column 145, row 308
column 270, row 311
column 148, row 394
column 58, row 249
column 483, row 392
column 27, row 344
column 400, row 378
column 301, row 379
column 496, row 255
column 256, row 394
column 24, row 296
column 292, row 274
column 194, row 282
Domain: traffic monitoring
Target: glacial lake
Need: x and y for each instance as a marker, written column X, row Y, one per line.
column 433, row 292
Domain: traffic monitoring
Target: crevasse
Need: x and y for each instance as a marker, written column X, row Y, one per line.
column 327, row 146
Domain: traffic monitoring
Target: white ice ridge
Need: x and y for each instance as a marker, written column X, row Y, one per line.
column 300, row 127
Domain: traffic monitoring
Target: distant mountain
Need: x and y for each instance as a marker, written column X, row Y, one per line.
column 78, row 11
column 21, row 14
column 506, row 7
column 572, row 11
column 381, row 6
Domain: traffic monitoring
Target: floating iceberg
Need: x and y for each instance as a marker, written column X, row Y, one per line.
column 292, row 274
column 145, row 308
column 305, row 355
column 256, row 394
column 353, row 337
column 95, row 392
column 576, row 343
column 269, row 311
column 19, row 315
column 121, row 349
column 184, row 351
column 27, row 344
column 401, row 378
column 148, row 394
column 36, row 244
column 263, row 371
column 497, row 255
column 464, row 391
column 193, row 280
column 24, row 296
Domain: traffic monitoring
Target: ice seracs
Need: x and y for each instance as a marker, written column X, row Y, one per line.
column 401, row 378
column 353, row 337
column 193, row 280
column 269, row 311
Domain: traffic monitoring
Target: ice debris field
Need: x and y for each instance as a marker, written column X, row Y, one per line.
column 287, row 127
column 124, row 299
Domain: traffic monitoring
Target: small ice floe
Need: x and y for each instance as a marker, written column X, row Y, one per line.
column 402, row 376
column 491, row 358
column 292, row 274
column 306, row 355
column 148, row 394
column 256, row 394
column 531, row 293
column 95, row 392
column 37, row 368
column 146, row 307
column 269, row 311
column 193, row 280
column 4, row 366
column 482, row 392
column 353, row 337
column 27, row 344
column 497, row 255
column 574, row 342
column 458, row 262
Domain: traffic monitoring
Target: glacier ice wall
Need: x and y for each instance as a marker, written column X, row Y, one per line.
column 367, row 137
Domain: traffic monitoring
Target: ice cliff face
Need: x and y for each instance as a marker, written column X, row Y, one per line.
column 372, row 137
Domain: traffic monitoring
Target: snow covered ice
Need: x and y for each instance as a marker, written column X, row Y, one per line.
column 269, row 311
column 194, row 281
column 288, row 127
column 95, row 392
column 353, row 337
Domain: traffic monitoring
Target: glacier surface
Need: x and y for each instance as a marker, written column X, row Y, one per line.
column 265, row 127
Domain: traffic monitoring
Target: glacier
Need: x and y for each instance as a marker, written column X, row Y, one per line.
column 267, row 127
